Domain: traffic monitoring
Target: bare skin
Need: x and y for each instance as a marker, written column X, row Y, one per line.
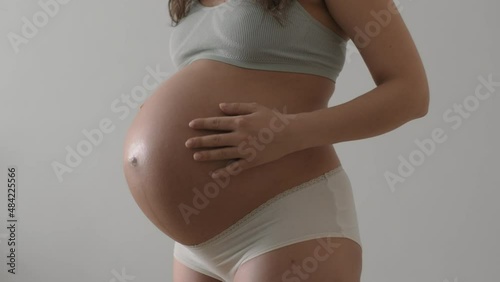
column 161, row 172
column 159, row 184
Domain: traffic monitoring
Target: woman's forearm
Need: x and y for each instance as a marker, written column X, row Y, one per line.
column 378, row 111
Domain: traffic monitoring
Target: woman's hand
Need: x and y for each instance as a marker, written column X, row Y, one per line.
column 258, row 135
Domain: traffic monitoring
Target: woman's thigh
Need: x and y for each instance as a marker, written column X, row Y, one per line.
column 326, row 259
column 182, row 273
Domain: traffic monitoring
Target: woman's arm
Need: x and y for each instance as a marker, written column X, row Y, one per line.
column 402, row 92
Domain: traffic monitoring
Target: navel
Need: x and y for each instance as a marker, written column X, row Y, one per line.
column 133, row 161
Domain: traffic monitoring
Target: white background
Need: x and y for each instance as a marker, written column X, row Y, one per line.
column 440, row 224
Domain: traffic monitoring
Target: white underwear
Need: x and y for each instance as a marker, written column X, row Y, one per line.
column 321, row 207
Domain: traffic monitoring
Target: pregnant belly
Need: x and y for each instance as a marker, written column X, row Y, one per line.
column 176, row 192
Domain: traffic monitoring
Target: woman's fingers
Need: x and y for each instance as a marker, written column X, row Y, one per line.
column 214, row 140
column 216, row 123
column 217, row 154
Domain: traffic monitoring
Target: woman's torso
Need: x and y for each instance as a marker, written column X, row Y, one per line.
column 169, row 185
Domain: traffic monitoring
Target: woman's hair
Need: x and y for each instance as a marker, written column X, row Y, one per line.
column 179, row 9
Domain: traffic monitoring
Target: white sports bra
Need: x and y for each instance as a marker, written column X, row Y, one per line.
column 242, row 33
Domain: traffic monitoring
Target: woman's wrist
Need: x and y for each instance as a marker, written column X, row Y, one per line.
column 303, row 133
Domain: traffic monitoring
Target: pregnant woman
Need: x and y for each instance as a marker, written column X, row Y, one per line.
column 250, row 94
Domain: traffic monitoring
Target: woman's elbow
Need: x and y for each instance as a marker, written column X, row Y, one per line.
column 422, row 101
column 420, row 94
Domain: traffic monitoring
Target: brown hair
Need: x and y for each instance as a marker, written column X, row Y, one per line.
column 179, row 9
